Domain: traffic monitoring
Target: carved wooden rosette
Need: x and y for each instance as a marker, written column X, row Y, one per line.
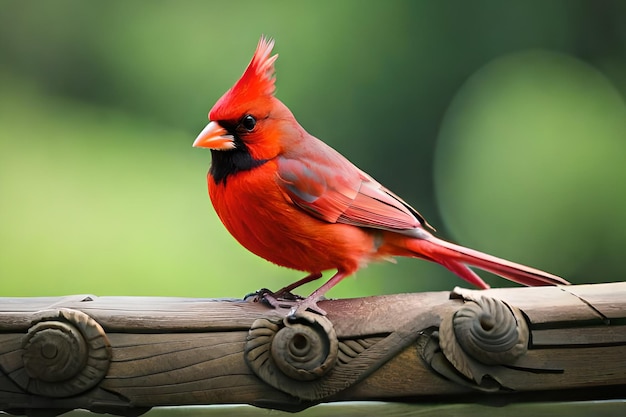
column 64, row 353
column 123, row 355
column 482, row 335
column 303, row 357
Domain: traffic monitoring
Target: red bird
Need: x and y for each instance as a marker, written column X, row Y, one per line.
column 295, row 201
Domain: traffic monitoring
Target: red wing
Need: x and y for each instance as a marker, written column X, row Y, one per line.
column 344, row 194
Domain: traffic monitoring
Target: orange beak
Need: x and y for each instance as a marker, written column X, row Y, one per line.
column 214, row 136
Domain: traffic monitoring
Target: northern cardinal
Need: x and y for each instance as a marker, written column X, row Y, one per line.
column 295, row 201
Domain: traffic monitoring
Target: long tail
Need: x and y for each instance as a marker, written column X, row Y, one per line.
column 458, row 259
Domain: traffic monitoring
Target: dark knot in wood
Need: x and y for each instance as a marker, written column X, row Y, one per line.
column 64, row 353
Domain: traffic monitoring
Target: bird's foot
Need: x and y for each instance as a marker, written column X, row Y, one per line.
column 309, row 303
column 286, row 300
column 277, row 300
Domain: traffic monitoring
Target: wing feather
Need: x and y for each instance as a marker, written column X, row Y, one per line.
column 341, row 193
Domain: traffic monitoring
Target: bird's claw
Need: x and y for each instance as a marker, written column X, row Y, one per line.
column 304, row 305
column 279, row 299
column 285, row 299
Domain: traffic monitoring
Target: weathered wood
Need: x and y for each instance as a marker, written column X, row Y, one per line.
column 124, row 355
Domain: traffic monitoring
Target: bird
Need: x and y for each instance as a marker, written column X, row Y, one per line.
column 293, row 200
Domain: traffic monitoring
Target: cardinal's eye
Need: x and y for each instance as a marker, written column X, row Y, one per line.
column 248, row 122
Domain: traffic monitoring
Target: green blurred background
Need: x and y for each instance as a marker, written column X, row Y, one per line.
column 504, row 123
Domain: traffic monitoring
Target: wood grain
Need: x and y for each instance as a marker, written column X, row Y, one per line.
column 157, row 351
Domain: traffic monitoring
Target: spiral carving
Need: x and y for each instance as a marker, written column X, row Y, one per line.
column 289, row 351
column 53, row 351
column 484, row 331
column 64, row 353
column 489, row 331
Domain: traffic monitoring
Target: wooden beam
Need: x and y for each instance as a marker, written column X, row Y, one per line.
column 123, row 355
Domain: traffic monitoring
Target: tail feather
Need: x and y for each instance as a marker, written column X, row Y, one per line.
column 457, row 259
column 464, row 272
